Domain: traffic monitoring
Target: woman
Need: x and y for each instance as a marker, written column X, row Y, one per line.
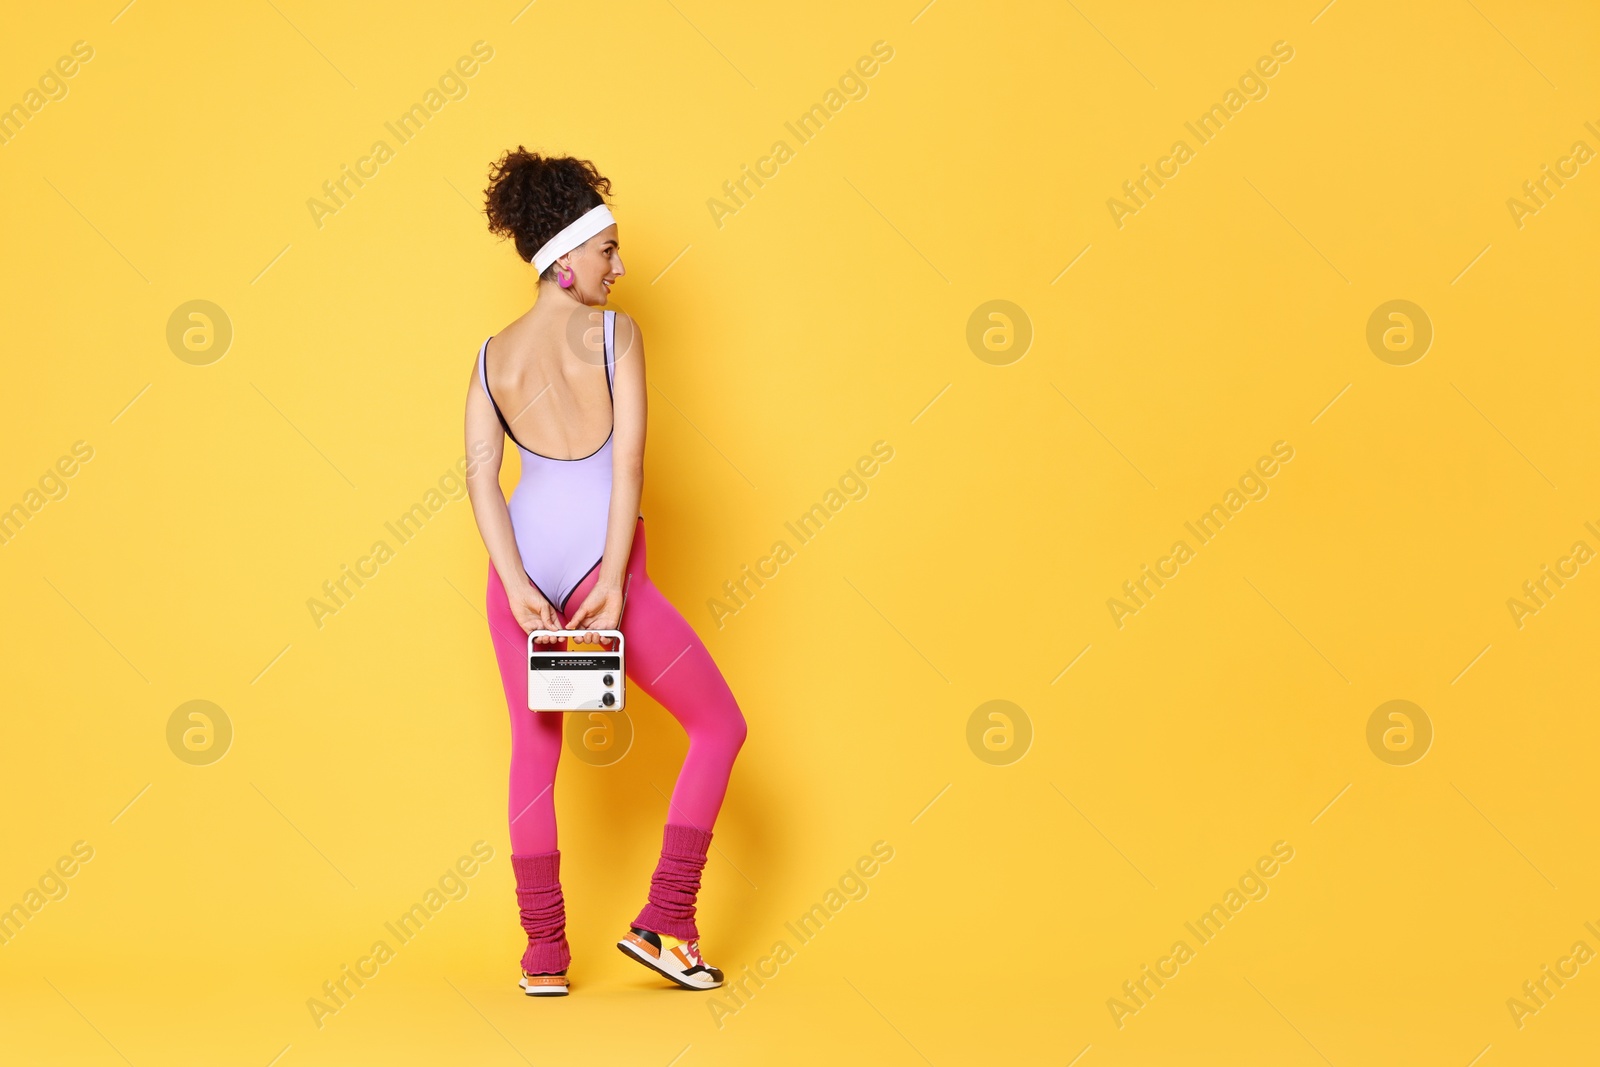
column 567, row 386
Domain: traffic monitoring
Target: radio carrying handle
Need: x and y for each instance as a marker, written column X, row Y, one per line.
column 617, row 633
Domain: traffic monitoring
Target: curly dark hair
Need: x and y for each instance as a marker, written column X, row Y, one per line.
column 531, row 198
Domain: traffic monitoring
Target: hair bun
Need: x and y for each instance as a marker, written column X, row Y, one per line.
column 531, row 198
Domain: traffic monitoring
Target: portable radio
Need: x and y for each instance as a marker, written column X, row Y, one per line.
column 562, row 679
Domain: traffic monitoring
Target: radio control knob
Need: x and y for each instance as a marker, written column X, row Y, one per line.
column 607, row 680
column 608, row 699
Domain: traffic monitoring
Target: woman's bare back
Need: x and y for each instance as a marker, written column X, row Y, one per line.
column 550, row 388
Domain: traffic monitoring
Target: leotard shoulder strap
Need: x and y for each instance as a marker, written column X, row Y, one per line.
column 611, row 355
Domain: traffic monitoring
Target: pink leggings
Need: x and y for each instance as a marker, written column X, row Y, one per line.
column 666, row 660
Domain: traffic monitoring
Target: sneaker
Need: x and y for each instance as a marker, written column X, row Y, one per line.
column 673, row 957
column 544, row 985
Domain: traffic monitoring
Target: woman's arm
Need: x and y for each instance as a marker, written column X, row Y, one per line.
column 602, row 608
column 486, row 444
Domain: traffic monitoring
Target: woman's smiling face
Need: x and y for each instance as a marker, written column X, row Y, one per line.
column 596, row 265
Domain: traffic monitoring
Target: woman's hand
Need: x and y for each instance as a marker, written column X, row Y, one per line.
column 601, row 610
column 533, row 612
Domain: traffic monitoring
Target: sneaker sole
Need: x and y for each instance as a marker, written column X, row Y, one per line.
column 542, row 991
column 634, row 953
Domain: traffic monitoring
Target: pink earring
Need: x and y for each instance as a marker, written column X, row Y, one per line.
column 565, row 278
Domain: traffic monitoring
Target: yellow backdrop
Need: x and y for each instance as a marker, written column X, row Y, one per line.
column 1189, row 655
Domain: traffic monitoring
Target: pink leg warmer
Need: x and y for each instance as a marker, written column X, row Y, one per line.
column 676, row 883
column 544, row 912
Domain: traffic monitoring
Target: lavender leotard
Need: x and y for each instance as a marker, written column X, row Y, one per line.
column 560, row 506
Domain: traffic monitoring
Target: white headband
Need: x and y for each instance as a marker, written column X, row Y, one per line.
column 587, row 225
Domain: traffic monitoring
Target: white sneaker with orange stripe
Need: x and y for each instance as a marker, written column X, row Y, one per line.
column 679, row 960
